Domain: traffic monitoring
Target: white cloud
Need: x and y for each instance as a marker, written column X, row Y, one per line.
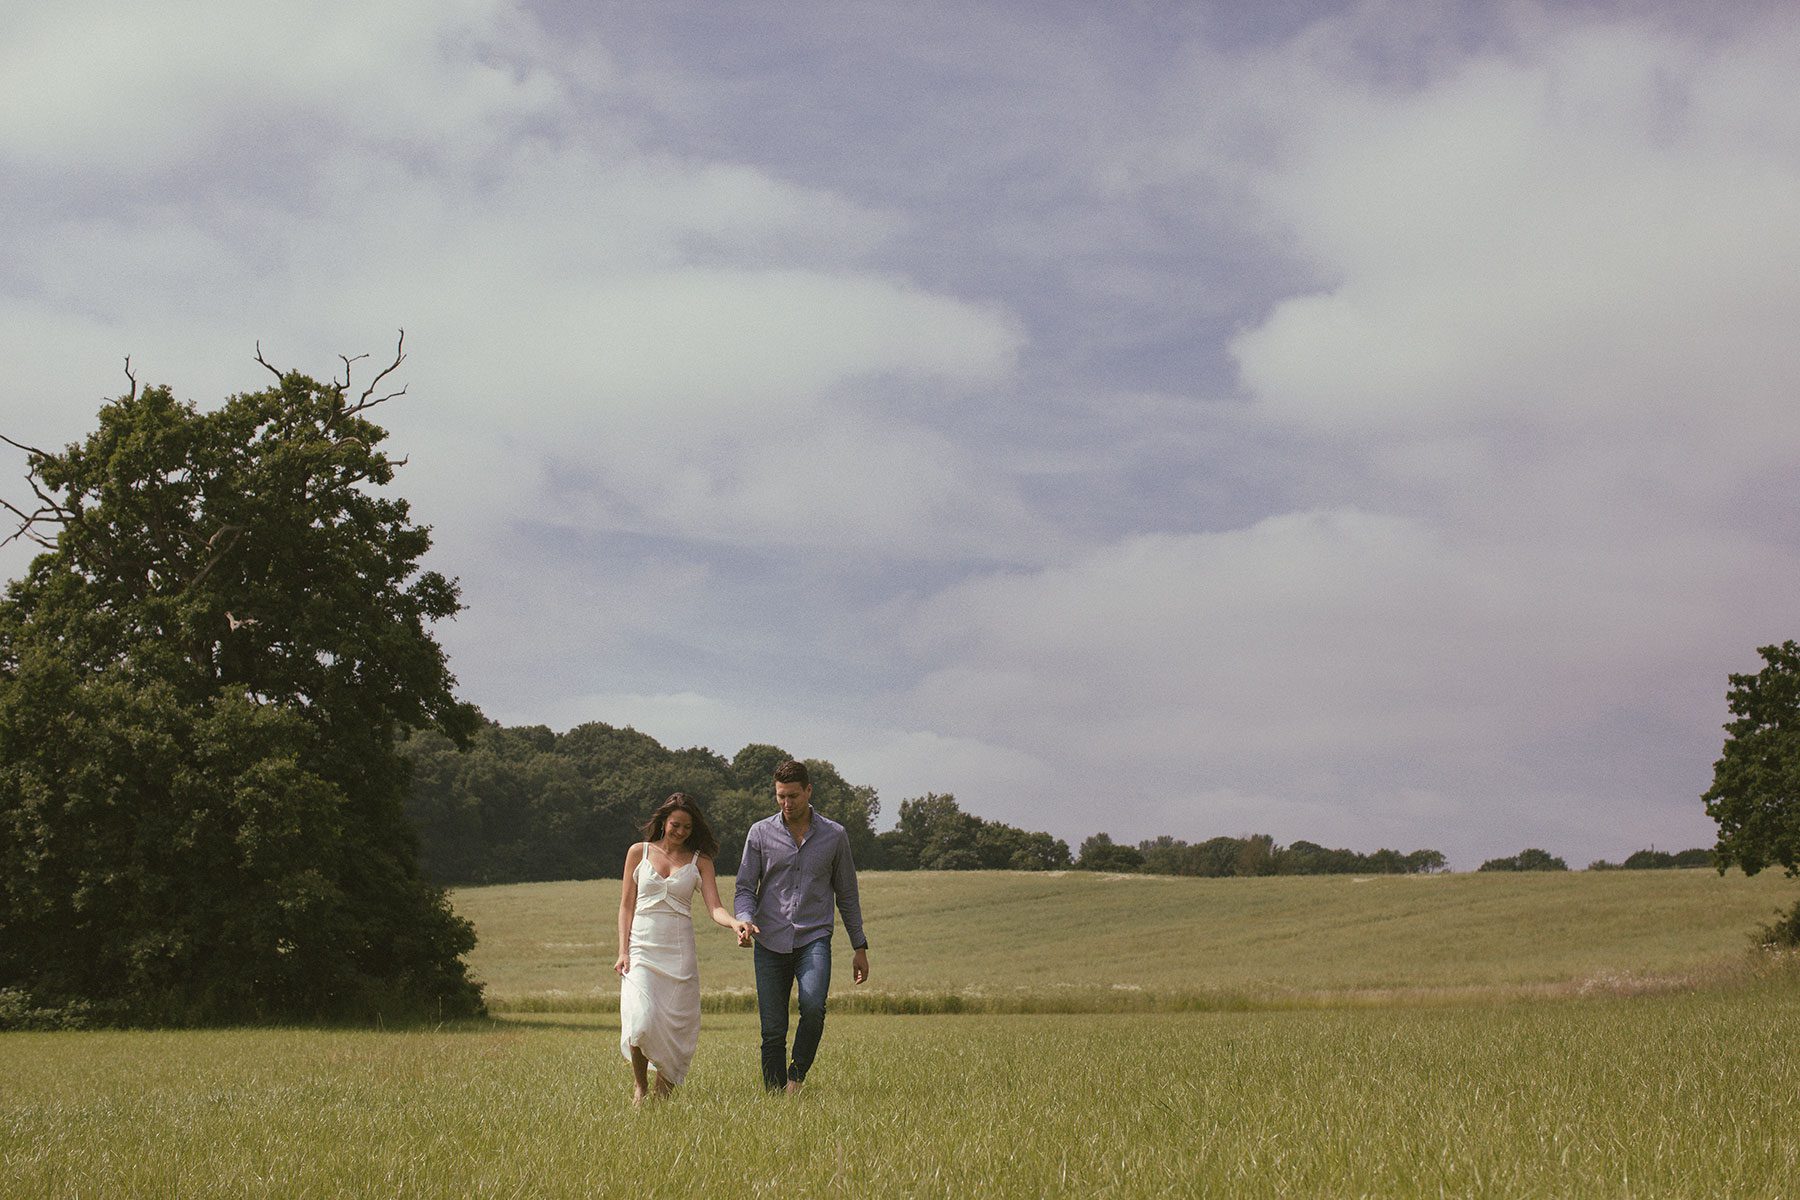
column 1587, row 234
column 90, row 86
column 701, row 342
column 835, row 479
column 567, row 291
column 1212, row 645
column 1330, row 661
column 1503, row 505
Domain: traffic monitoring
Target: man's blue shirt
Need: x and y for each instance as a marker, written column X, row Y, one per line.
column 787, row 890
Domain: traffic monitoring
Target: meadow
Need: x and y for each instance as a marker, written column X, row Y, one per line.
column 995, row 941
column 1630, row 1045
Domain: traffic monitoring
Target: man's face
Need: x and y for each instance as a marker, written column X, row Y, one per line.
column 794, row 800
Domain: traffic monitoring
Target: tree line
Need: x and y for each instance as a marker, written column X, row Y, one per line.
column 525, row 803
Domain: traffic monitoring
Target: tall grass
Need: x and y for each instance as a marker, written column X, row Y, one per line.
column 1676, row 1095
column 1193, row 1037
column 997, row 942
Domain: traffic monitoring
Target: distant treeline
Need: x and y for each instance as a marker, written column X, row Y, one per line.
column 1533, row 859
column 1254, row 854
column 525, row 803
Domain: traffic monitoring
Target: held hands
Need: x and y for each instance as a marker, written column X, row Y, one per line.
column 744, row 931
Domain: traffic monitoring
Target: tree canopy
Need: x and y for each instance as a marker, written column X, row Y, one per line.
column 935, row 834
column 203, row 680
column 1529, row 859
column 524, row 803
column 1755, row 793
column 1251, row 854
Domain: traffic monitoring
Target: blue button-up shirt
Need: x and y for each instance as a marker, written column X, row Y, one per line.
column 787, row 889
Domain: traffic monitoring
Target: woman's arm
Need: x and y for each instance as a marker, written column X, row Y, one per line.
column 709, row 891
column 627, row 906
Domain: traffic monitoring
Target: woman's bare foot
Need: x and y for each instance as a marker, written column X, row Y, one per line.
column 664, row 1089
column 640, row 1078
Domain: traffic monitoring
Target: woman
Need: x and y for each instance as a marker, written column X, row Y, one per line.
column 659, row 990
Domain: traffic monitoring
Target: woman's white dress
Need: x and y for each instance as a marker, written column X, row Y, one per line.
column 659, row 996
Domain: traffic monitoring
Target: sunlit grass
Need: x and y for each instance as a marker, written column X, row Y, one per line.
column 1602, row 1035
column 1673, row 1095
column 1018, row 942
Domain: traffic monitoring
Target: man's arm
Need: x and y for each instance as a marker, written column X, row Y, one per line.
column 749, row 877
column 843, row 882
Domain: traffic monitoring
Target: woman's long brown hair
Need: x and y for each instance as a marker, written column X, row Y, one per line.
column 701, row 841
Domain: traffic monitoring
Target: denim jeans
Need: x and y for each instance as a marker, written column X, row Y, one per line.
column 776, row 974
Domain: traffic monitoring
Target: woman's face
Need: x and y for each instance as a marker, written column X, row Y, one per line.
column 677, row 828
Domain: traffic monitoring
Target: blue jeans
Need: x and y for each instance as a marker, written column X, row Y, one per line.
column 776, row 974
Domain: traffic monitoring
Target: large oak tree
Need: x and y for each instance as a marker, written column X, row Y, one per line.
column 1755, row 794
column 203, row 680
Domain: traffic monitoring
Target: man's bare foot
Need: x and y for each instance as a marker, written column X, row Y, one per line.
column 794, row 1086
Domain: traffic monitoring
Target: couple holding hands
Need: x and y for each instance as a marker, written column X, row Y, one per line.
column 796, row 866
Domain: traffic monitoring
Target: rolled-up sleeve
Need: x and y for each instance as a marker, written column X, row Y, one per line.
column 843, row 882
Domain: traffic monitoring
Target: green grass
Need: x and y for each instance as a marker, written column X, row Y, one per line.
column 985, row 941
column 1676, row 1095
column 1620, row 1040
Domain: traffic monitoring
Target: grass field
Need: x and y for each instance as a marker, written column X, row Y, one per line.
column 1672, row 1095
column 1005, row 941
column 1583, row 1035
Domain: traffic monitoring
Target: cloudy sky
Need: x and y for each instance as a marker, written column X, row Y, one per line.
column 1368, row 423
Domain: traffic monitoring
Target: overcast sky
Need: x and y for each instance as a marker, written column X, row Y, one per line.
column 1367, row 423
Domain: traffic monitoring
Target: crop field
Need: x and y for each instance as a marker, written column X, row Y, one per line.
column 1510, row 1066
column 988, row 941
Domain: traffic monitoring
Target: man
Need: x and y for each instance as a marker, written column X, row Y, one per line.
column 795, row 864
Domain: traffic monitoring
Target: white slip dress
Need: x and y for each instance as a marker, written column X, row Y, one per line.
column 659, row 996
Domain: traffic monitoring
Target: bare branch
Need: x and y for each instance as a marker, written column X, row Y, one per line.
column 265, row 362
column 223, row 530
column 218, row 552
column 392, row 464
column 23, row 446
column 28, row 523
column 363, row 402
column 347, row 361
column 29, row 534
column 378, row 400
column 132, row 395
column 50, row 511
column 50, row 505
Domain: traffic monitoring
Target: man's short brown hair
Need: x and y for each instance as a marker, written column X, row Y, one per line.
column 793, row 771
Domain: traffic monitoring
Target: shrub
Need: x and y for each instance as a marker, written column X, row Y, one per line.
column 1783, row 933
column 19, row 1011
